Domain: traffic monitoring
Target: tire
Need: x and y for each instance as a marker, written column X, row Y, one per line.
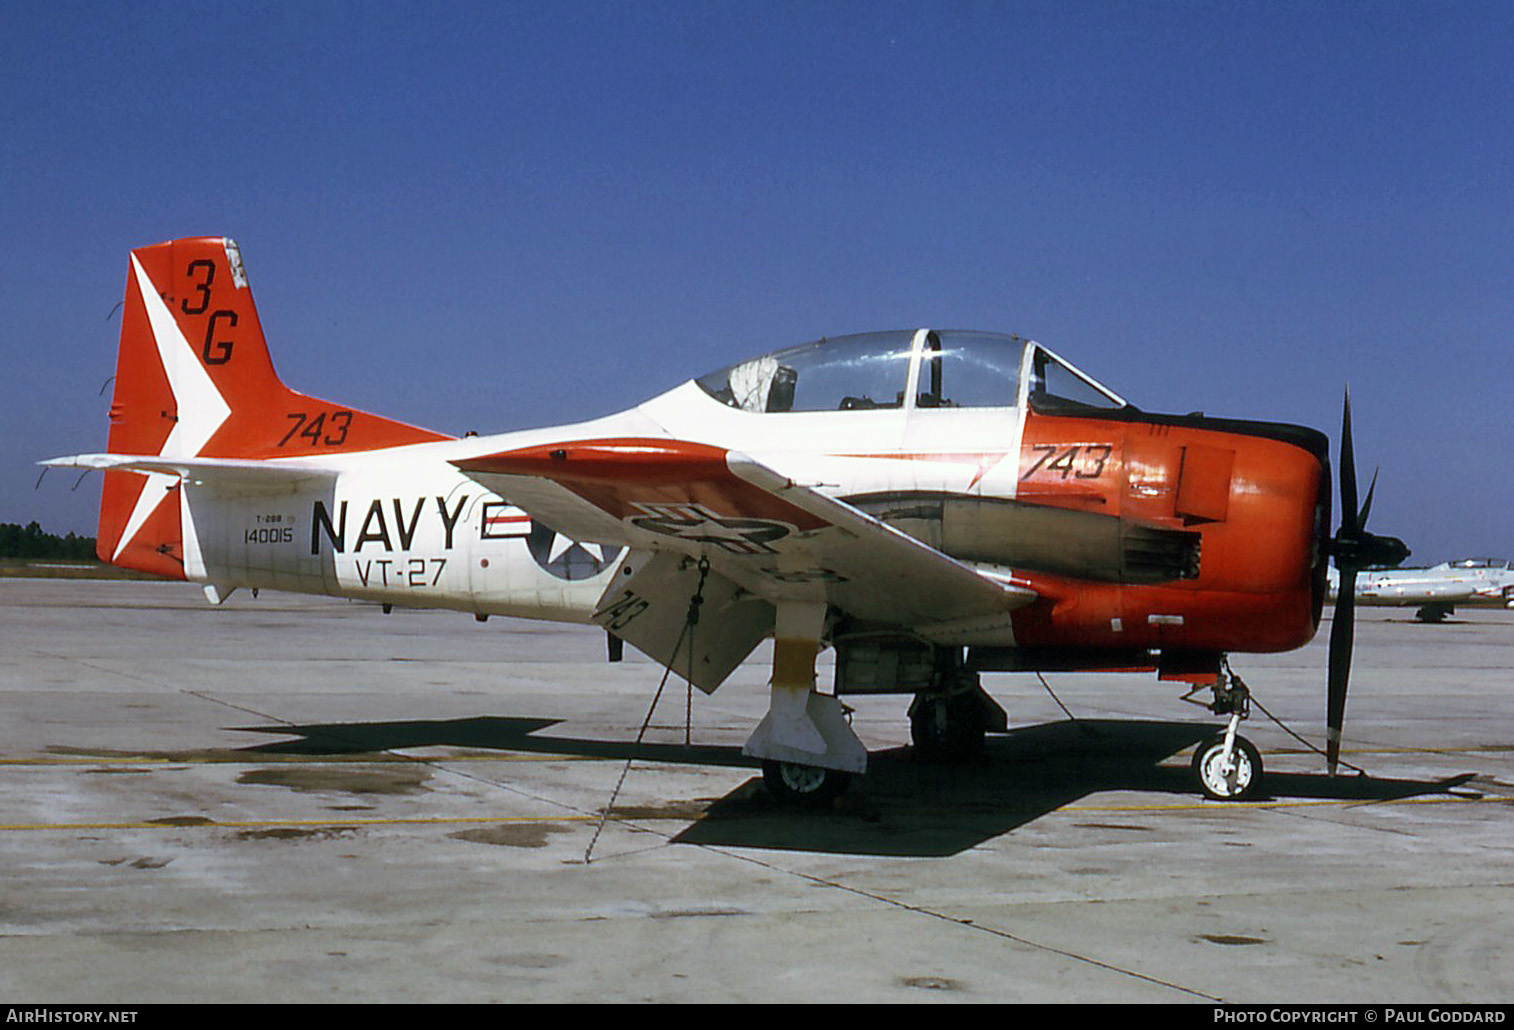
column 1247, row 777
column 947, row 729
column 806, row 785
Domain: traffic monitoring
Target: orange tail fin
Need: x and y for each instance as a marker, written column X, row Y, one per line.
column 194, row 379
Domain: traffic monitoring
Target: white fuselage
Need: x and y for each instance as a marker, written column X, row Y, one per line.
column 404, row 526
column 1482, row 582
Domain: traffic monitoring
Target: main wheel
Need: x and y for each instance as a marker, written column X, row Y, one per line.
column 1240, row 781
column 795, row 784
column 947, row 729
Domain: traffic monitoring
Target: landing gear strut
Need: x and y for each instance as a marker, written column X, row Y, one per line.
column 805, row 742
column 1227, row 765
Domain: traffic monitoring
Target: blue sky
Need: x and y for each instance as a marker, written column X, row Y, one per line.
column 492, row 216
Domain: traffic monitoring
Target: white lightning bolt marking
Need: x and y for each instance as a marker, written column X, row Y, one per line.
column 201, row 408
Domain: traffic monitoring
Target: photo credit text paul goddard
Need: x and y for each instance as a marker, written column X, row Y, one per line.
column 1390, row 1015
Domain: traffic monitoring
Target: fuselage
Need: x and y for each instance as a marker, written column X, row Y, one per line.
column 1135, row 531
column 1467, row 581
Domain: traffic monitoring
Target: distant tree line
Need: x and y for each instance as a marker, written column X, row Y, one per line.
column 31, row 542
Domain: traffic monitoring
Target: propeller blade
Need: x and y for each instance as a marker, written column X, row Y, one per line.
column 1349, row 523
column 1352, row 550
column 1361, row 520
column 1347, row 547
column 1342, row 637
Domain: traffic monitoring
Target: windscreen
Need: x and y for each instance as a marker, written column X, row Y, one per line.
column 1056, row 386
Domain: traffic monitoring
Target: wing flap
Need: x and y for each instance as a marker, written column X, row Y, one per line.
column 648, row 606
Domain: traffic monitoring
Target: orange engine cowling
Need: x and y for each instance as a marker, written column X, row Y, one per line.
column 1246, row 505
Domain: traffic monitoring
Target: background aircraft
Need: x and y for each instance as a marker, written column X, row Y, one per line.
column 932, row 504
column 1437, row 590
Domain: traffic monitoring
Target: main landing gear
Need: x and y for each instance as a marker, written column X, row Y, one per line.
column 805, row 742
column 1227, row 765
column 808, row 751
column 1433, row 612
column 949, row 723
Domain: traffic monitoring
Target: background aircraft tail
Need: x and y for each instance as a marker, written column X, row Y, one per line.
column 194, row 379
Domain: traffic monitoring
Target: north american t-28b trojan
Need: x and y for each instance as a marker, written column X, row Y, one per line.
column 932, row 504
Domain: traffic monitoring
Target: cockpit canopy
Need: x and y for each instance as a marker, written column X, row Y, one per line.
column 1476, row 563
column 925, row 368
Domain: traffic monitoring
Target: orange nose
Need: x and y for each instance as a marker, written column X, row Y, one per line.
column 1250, row 502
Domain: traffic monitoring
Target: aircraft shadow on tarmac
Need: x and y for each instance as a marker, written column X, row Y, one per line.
column 902, row 807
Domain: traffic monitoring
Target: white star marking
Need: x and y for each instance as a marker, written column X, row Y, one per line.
column 561, row 544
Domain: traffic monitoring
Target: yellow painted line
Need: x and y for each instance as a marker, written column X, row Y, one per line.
column 1472, row 749
column 1223, row 806
column 248, row 824
column 1220, row 806
column 367, row 758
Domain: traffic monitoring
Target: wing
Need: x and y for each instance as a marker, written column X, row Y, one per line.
column 776, row 539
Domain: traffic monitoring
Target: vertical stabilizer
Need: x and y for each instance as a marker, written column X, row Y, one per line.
column 194, row 379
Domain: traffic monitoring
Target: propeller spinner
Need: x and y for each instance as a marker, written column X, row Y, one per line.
column 1352, row 549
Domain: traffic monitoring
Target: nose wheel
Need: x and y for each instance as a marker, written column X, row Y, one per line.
column 1227, row 766
column 1227, row 771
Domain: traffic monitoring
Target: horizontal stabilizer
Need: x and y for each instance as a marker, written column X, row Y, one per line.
column 223, row 475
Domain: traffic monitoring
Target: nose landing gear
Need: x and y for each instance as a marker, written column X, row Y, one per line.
column 1227, row 766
